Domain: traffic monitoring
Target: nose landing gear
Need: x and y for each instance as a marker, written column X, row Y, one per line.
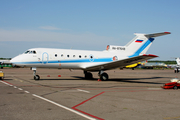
column 36, row 77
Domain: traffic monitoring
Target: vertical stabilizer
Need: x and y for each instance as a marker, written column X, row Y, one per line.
column 141, row 43
column 178, row 61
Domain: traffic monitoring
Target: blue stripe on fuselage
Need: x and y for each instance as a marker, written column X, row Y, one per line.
column 68, row 61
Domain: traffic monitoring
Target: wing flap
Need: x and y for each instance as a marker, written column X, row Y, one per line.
column 120, row 63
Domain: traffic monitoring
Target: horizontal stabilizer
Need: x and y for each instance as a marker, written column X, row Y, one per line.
column 156, row 34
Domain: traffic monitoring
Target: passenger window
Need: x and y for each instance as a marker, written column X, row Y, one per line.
column 79, row 56
column 85, row 56
column 55, row 55
column 67, row 55
column 61, row 55
column 74, row 56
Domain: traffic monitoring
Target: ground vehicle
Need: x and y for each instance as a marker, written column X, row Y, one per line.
column 1, row 75
column 171, row 85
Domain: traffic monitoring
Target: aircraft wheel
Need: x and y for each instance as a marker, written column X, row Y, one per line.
column 175, row 87
column 104, row 76
column 36, row 77
column 88, row 75
column 174, row 71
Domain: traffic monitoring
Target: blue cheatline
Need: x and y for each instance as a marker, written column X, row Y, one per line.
column 69, row 61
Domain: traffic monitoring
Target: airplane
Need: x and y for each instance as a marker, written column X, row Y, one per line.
column 89, row 61
column 177, row 67
column 151, row 65
column 5, row 63
column 132, row 66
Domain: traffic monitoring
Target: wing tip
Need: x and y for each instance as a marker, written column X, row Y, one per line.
column 150, row 55
column 167, row 32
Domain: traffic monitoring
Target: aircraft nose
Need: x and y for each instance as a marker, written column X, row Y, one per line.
column 16, row 60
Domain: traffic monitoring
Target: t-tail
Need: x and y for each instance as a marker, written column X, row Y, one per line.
column 141, row 43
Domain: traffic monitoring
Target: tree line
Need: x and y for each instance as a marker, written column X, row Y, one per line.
column 165, row 62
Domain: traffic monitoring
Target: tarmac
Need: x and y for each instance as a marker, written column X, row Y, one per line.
column 66, row 95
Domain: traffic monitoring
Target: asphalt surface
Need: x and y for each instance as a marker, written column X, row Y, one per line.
column 66, row 95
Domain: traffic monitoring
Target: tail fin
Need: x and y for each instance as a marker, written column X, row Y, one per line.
column 178, row 61
column 141, row 43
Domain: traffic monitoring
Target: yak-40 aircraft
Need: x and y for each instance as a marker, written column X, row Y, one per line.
column 89, row 61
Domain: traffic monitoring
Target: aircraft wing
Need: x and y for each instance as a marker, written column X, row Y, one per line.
column 120, row 63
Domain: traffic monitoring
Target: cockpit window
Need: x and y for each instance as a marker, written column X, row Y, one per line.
column 30, row 52
column 27, row 52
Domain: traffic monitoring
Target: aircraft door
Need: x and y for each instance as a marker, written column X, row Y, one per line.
column 91, row 58
column 45, row 58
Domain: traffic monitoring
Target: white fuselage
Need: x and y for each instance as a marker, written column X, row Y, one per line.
column 66, row 58
column 112, row 57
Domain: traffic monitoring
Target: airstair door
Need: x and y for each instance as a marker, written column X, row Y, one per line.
column 45, row 58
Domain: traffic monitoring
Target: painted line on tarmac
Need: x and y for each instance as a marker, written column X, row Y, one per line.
column 167, row 118
column 59, row 105
column 7, row 83
column 71, row 110
column 154, row 88
column 115, row 88
column 20, row 88
column 18, row 80
column 138, row 90
column 85, row 102
column 26, row 91
column 149, row 89
column 83, row 90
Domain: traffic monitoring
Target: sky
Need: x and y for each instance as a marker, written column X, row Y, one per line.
column 87, row 25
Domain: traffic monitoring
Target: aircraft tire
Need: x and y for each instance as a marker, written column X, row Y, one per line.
column 175, row 87
column 88, row 75
column 104, row 76
column 37, row 77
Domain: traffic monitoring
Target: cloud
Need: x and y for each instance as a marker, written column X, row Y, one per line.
column 49, row 28
column 75, row 40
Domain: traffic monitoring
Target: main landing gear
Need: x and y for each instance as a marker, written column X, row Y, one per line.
column 88, row 75
column 36, row 77
column 103, row 76
column 176, row 70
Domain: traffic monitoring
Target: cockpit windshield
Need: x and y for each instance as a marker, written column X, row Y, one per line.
column 26, row 52
column 30, row 52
